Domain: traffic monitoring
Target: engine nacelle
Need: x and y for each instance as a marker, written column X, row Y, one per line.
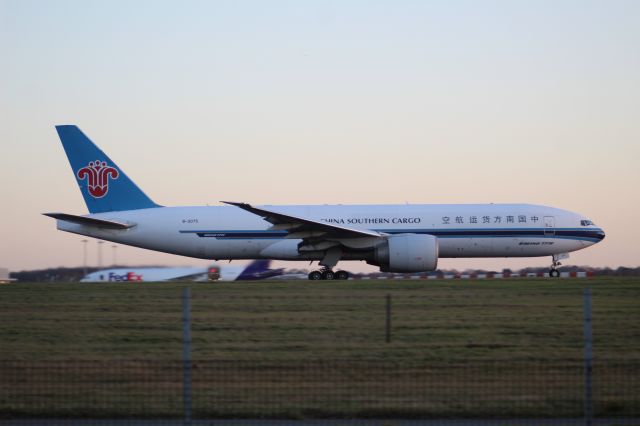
column 407, row 253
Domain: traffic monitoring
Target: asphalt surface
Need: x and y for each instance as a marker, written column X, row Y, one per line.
column 327, row 422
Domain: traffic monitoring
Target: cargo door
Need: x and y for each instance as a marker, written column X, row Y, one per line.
column 549, row 226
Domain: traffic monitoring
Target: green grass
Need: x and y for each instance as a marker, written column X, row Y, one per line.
column 302, row 349
column 431, row 320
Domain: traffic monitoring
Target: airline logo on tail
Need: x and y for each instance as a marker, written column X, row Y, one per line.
column 97, row 174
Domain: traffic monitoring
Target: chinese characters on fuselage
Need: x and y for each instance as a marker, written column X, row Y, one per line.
column 445, row 220
column 453, row 220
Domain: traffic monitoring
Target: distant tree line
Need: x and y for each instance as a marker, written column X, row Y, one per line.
column 51, row 274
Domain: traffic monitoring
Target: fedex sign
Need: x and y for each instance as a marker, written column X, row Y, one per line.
column 129, row 276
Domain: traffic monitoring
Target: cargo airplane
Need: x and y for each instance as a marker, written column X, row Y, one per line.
column 256, row 270
column 396, row 238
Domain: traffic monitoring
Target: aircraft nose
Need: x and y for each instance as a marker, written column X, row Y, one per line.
column 600, row 235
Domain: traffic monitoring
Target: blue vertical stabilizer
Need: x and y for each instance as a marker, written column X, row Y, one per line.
column 104, row 186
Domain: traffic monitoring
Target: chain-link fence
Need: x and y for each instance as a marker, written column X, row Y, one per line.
column 315, row 389
column 268, row 354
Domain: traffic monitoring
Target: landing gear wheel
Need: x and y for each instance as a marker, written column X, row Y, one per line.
column 328, row 275
column 315, row 275
column 341, row 275
column 553, row 272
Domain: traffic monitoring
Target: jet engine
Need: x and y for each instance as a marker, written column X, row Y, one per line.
column 407, row 253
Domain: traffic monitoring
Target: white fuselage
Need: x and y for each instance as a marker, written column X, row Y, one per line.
column 463, row 230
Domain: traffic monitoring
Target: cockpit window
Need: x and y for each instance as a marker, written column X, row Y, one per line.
column 586, row 223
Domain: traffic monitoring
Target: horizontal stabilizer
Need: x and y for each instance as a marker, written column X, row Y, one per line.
column 90, row 221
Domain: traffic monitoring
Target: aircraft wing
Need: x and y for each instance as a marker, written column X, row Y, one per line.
column 303, row 228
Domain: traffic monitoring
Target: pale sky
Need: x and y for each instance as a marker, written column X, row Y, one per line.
column 296, row 102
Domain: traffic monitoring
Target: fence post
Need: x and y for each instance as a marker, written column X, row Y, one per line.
column 588, row 358
column 186, row 354
column 388, row 324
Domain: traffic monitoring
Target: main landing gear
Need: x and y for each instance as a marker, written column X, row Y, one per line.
column 328, row 262
column 328, row 274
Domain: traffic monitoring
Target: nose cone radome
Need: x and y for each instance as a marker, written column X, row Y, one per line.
column 594, row 237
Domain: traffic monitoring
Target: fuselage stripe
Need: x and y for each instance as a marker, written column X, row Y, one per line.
column 592, row 234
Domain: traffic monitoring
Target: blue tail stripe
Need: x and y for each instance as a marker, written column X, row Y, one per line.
column 104, row 186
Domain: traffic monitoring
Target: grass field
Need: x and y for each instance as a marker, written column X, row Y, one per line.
column 300, row 349
column 436, row 320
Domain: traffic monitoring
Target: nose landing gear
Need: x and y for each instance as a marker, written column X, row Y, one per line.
column 555, row 262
